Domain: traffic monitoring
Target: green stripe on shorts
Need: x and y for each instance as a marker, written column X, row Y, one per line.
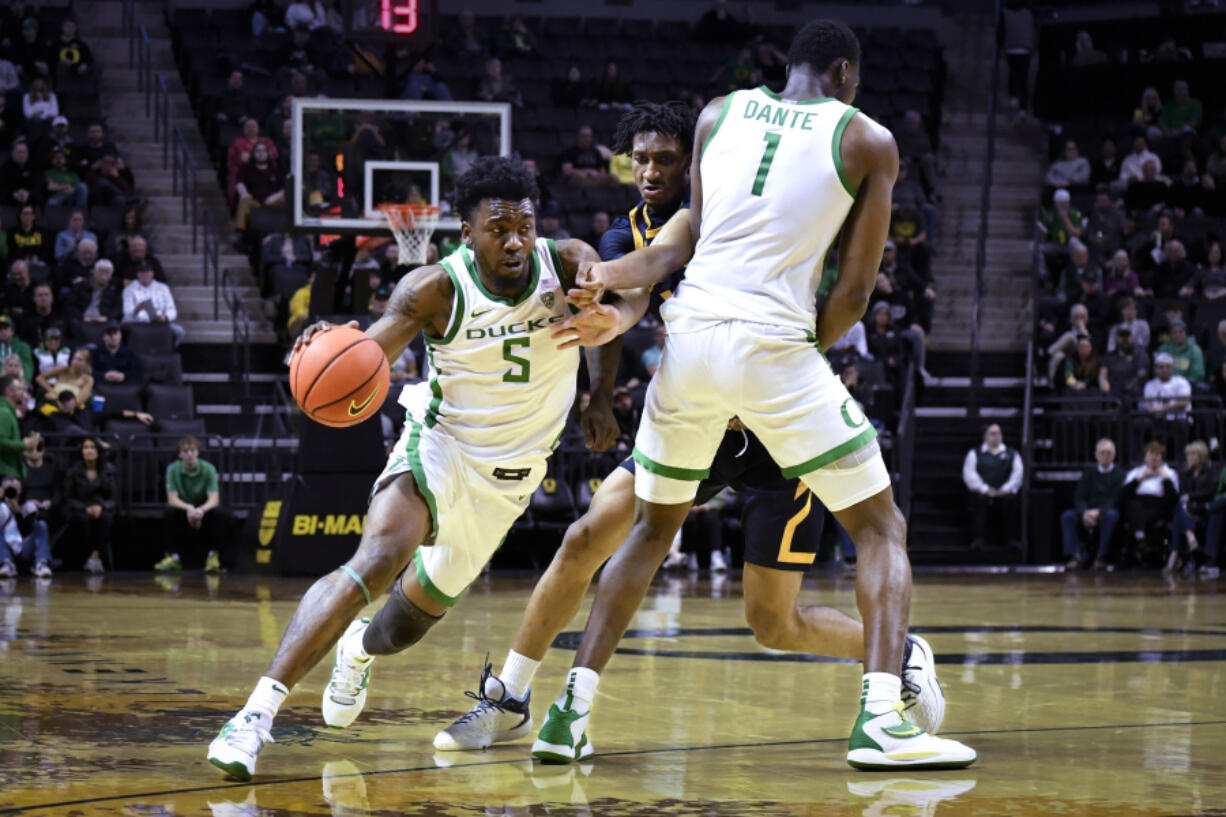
column 419, row 475
column 687, row 474
column 431, row 590
column 833, row 455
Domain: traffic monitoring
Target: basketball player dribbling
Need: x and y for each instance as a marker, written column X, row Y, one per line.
column 502, row 347
column 776, row 179
column 782, row 522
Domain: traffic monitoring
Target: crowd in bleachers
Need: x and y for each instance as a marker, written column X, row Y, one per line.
column 1131, row 315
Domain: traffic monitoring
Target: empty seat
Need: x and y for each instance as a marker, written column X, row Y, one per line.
column 552, row 505
column 120, row 397
column 162, row 368
column 131, row 433
column 172, row 429
column 149, row 338
column 169, row 401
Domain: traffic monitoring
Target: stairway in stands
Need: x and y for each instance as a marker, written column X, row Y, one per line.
column 939, row 525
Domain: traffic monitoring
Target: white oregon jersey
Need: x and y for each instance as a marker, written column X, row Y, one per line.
column 774, row 198
column 498, row 384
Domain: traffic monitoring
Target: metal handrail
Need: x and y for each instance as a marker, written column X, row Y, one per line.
column 906, row 441
column 184, row 184
column 1036, row 272
column 128, row 25
column 981, row 241
column 161, row 115
column 144, row 70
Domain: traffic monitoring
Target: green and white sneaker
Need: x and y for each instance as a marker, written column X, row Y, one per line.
column 237, row 745
column 890, row 741
column 922, row 697
column 345, row 694
column 563, row 737
column 212, row 563
column 169, row 564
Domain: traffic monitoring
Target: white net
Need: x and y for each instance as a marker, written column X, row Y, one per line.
column 412, row 225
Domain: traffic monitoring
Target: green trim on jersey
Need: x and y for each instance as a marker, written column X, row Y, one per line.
column 436, row 389
column 836, row 148
column 778, row 98
column 419, row 475
column 528, row 290
column 557, row 265
column 686, row 474
column 833, row 455
column 457, row 306
column 431, row 589
column 722, row 114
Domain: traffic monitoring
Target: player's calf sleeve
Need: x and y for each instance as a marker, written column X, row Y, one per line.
column 398, row 626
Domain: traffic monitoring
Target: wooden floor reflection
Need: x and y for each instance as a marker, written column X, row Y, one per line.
column 1085, row 695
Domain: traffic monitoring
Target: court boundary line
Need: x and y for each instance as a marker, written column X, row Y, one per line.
column 624, row 753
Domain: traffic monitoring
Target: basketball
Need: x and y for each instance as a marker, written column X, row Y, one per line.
column 340, row 378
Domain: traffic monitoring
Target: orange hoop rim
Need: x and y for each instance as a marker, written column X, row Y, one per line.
column 414, row 209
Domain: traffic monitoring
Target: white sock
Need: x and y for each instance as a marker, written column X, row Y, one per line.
column 353, row 648
column 580, row 689
column 881, row 692
column 516, row 676
column 267, row 696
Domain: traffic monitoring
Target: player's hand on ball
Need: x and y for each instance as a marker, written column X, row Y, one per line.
column 600, row 429
column 594, row 326
column 314, row 329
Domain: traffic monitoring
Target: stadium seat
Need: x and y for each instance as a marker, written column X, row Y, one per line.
column 181, row 427
column 584, row 492
column 166, row 400
column 162, row 368
column 149, row 338
column 87, row 334
column 131, row 433
column 120, row 397
column 552, row 505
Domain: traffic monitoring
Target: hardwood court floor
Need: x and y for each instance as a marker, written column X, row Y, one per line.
column 1085, row 695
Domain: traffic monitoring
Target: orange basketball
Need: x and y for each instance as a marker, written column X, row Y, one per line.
column 340, row 378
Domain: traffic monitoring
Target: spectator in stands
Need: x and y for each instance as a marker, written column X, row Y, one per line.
column 1084, row 52
column 113, row 361
column 549, row 224
column 993, row 475
column 40, row 102
column 424, row 82
column 18, row 293
column 259, row 184
column 1120, row 277
column 11, row 344
column 496, row 86
column 137, row 256
column 882, row 341
column 1105, row 168
column 899, row 285
column 1208, row 281
column 1084, row 370
column 99, row 299
column 465, row 40
column 1148, row 499
column 288, row 250
column 1181, row 113
column 1104, row 230
column 717, row 25
column 12, row 365
column 459, row 157
column 600, row 226
column 63, row 414
column 72, row 55
column 9, row 79
column 1173, row 273
column 854, row 343
column 194, row 515
column 610, row 90
column 1146, row 116
column 52, row 352
column 1167, row 395
column 1096, row 304
column 302, row 14
column 1079, row 268
column 1125, row 368
column 90, row 496
column 915, row 146
column 45, row 315
column 111, row 182
column 584, row 164
column 1215, row 165
column 1060, row 223
column 1149, row 250
column 78, row 376
column 13, row 390
column 1094, row 508
column 1197, row 484
column 59, row 138
column 76, row 266
column 242, row 149
column 1150, row 192
column 148, row 301
column 8, row 126
column 33, row 549
column 95, row 147
column 515, row 40
column 20, row 183
column 653, row 354
column 1071, row 170
column 1066, row 344
column 42, row 480
column 62, row 186
column 300, row 307
column 1017, row 37
column 1131, row 169
column 572, row 91
column 31, row 53
column 1186, row 353
column 233, row 102
column 70, row 237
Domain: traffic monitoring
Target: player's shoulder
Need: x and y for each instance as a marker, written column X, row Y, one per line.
column 870, row 134
column 429, row 281
column 618, row 240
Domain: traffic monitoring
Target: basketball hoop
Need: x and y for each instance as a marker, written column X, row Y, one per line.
column 412, row 224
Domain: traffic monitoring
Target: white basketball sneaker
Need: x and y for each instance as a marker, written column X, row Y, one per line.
column 922, row 697
column 345, row 694
column 237, row 745
column 491, row 721
column 889, row 741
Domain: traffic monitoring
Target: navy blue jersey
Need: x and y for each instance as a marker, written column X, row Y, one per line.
column 634, row 231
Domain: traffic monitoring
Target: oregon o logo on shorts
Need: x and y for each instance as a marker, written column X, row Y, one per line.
column 850, row 411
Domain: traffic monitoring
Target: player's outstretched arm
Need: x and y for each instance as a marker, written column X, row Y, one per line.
column 870, row 160
column 599, row 321
column 670, row 250
column 422, row 300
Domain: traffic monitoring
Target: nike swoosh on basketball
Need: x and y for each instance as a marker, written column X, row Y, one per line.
column 476, row 314
column 357, row 408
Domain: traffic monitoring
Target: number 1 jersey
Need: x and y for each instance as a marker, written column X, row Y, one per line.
column 774, row 198
column 498, row 383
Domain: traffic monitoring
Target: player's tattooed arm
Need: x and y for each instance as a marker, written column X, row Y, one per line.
column 870, row 160
column 421, row 301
